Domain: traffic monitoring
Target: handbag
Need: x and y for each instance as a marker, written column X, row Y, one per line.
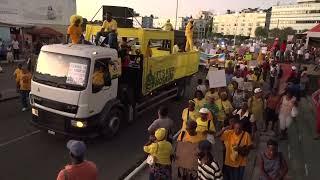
column 242, row 151
column 151, row 160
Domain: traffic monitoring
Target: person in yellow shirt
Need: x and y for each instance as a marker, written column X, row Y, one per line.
column 238, row 145
column 98, row 78
column 74, row 30
column 189, row 114
column 167, row 26
column 225, row 109
column 189, row 35
column 212, row 92
column 148, row 53
column 190, row 134
column 109, row 31
column 16, row 75
column 25, row 87
column 199, row 100
column 205, row 125
column 161, row 151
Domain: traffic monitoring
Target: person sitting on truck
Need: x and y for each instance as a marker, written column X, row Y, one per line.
column 176, row 48
column 109, row 31
column 80, row 168
column 74, row 30
column 167, row 26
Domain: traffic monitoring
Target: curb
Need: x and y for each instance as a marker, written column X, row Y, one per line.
column 8, row 94
column 9, row 98
column 15, row 61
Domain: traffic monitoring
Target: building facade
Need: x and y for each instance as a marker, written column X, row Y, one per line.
column 243, row 23
column 301, row 16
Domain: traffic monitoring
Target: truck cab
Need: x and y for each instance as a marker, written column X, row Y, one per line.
column 64, row 96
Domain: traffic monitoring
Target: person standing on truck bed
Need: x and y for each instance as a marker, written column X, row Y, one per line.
column 108, row 30
column 79, row 169
column 189, row 35
column 74, row 30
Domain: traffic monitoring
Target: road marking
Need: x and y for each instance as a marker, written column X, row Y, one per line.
column 306, row 170
column 18, row 138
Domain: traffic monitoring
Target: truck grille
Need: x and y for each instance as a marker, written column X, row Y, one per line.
column 55, row 105
column 52, row 120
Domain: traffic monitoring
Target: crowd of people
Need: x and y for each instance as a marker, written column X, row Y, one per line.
column 235, row 116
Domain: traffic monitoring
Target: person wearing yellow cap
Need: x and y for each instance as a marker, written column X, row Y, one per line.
column 189, row 35
column 205, row 125
column 74, row 30
column 161, row 151
column 167, row 26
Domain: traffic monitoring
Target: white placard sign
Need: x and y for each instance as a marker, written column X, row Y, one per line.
column 251, row 49
column 212, row 51
column 217, row 79
column 76, row 74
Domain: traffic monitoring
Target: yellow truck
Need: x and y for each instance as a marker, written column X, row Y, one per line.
column 65, row 99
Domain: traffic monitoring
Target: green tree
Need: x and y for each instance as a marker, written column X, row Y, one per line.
column 282, row 34
column 261, row 32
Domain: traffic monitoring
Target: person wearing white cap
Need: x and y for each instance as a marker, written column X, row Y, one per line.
column 80, row 168
column 189, row 35
column 256, row 106
column 204, row 124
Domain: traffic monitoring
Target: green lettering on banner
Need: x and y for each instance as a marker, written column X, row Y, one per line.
column 161, row 77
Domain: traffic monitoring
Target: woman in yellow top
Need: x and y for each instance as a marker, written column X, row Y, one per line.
column 74, row 30
column 205, row 126
column 225, row 109
column 199, row 100
column 161, row 150
column 212, row 92
column 256, row 106
column 189, row 114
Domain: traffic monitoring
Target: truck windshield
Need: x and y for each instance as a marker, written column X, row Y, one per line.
column 62, row 71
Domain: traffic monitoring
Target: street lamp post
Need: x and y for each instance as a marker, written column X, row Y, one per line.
column 175, row 24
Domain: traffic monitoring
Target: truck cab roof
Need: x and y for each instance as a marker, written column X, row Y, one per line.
column 81, row 50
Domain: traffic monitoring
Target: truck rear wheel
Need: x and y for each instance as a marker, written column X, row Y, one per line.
column 112, row 123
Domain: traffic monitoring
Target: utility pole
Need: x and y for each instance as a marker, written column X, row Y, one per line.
column 175, row 24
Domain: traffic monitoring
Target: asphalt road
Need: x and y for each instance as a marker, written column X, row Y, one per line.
column 27, row 153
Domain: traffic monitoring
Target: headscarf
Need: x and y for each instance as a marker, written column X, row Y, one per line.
column 74, row 18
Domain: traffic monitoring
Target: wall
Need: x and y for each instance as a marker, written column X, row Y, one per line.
column 37, row 11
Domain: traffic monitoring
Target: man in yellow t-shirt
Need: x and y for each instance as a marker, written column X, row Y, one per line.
column 98, row 78
column 189, row 35
column 74, row 30
column 16, row 75
column 109, row 31
column 25, row 87
column 238, row 145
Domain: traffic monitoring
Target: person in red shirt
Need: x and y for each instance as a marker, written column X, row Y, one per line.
column 283, row 48
column 79, row 169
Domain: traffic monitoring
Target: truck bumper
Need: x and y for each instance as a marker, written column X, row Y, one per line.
column 61, row 125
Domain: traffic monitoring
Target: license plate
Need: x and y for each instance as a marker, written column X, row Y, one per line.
column 51, row 132
column 35, row 112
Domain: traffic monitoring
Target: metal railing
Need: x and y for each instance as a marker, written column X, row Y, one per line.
column 143, row 165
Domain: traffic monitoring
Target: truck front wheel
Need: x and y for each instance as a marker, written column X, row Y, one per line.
column 112, row 123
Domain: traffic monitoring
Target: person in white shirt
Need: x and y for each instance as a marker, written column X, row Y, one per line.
column 307, row 56
column 201, row 87
column 175, row 49
column 15, row 45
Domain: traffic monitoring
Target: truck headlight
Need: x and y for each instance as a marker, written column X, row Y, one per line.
column 78, row 124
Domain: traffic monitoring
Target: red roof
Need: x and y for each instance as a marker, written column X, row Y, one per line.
column 46, row 31
column 315, row 29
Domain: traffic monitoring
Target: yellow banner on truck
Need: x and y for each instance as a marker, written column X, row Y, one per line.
column 159, row 71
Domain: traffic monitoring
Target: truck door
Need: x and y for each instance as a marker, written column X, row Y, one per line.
column 102, row 90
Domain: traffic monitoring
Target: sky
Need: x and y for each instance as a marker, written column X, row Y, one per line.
column 167, row 8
